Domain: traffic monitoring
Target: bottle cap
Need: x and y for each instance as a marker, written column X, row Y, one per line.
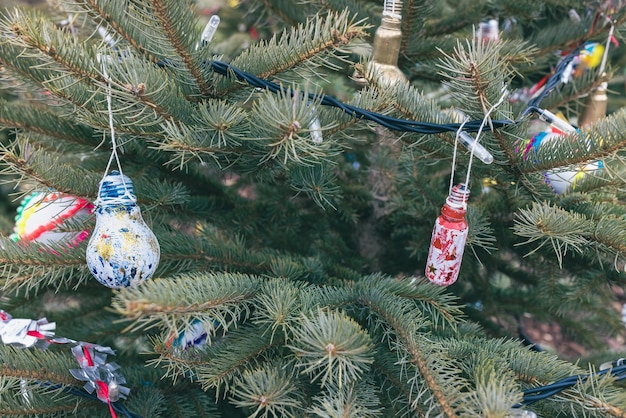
column 459, row 196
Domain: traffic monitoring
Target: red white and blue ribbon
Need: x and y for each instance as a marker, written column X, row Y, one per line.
column 102, row 377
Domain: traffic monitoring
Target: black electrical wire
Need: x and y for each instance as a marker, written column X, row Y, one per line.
column 383, row 120
column 392, row 123
column 543, row 392
column 530, row 396
column 554, row 80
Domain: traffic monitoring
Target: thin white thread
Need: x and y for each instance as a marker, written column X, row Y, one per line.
column 606, row 48
column 127, row 194
column 480, row 131
column 456, row 146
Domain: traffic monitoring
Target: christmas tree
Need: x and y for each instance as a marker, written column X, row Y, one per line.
column 291, row 162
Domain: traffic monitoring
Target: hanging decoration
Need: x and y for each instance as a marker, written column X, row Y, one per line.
column 589, row 57
column 488, row 31
column 595, row 106
column 43, row 217
column 102, row 377
column 448, row 239
column 565, row 180
column 122, row 251
column 195, row 336
column 450, row 232
column 596, row 103
column 562, row 180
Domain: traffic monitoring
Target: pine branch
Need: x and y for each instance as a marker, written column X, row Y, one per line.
column 174, row 21
column 282, row 10
column 61, row 52
column 357, row 401
column 45, row 122
column 369, row 12
column 463, row 14
column 29, row 68
column 35, row 266
column 76, row 66
column 269, row 391
column 218, row 132
column 307, row 45
column 331, row 348
column 43, row 366
column 550, row 225
column 397, row 316
column 111, row 13
column 179, row 363
column 571, row 33
column 599, row 140
column 386, row 367
column 495, row 389
column 214, row 297
column 238, row 353
column 574, row 90
column 45, row 169
column 415, row 13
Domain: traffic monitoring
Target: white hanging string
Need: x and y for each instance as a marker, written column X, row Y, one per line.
column 127, row 194
column 606, row 48
column 480, row 131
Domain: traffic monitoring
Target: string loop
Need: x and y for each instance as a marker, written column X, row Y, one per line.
column 114, row 156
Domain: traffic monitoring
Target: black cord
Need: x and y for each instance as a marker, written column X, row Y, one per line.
column 392, row 123
column 543, row 392
column 383, row 120
column 554, row 80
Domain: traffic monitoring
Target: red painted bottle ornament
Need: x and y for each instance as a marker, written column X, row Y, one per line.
column 448, row 241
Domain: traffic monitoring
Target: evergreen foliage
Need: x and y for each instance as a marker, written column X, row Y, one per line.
column 303, row 260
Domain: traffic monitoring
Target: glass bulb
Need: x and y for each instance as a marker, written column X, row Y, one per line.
column 122, row 251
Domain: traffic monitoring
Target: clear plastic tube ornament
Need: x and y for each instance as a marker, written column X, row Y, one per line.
column 122, row 251
column 474, row 146
column 315, row 127
column 448, row 240
column 556, row 121
column 209, row 31
column 521, row 413
column 467, row 140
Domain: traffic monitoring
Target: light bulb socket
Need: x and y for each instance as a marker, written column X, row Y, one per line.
column 595, row 106
column 116, row 189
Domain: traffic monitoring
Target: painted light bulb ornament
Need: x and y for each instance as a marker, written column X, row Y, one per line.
column 122, row 251
column 561, row 180
column 448, row 240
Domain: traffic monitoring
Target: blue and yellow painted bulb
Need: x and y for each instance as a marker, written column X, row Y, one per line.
column 122, row 251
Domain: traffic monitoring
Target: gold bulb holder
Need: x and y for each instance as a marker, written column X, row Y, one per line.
column 386, row 50
column 595, row 106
